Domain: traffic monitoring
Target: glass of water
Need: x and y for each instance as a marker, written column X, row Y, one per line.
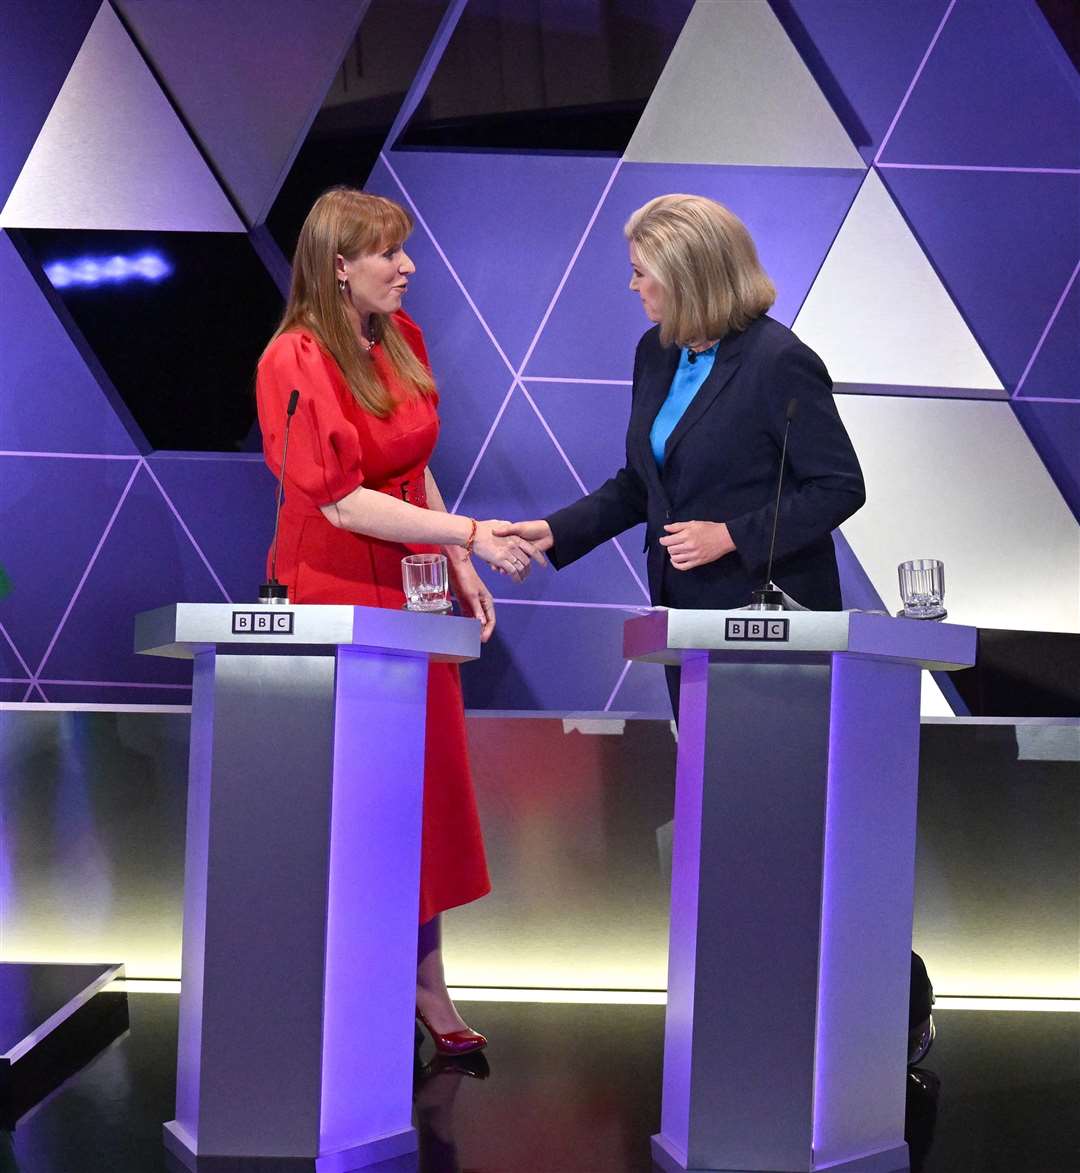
column 922, row 587
column 424, row 577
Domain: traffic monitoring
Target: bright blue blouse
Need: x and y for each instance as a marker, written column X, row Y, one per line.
column 684, row 386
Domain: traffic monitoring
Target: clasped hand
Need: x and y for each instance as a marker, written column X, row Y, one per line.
column 695, row 543
column 500, row 545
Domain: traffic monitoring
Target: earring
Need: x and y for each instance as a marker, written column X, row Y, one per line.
column 341, row 285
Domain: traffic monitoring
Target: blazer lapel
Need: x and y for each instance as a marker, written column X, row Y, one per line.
column 654, row 387
column 724, row 366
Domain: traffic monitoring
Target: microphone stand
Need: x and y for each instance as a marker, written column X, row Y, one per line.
column 273, row 591
column 770, row 597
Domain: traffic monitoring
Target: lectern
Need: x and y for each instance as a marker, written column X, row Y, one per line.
column 792, row 884
column 301, row 890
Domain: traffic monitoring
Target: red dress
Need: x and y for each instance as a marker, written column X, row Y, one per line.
column 335, row 446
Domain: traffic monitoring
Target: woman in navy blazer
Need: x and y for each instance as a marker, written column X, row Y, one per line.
column 702, row 456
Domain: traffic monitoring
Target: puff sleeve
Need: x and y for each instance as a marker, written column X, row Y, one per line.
column 324, row 447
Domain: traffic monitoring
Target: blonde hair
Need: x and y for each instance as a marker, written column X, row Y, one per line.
column 350, row 222
column 703, row 256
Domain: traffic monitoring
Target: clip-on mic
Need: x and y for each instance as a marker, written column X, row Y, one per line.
column 273, row 591
column 770, row 597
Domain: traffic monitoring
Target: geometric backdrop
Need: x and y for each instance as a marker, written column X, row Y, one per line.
column 918, row 211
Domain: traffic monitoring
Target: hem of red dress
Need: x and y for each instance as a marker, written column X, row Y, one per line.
column 455, row 903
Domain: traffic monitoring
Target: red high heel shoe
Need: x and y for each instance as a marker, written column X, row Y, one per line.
column 457, row 1042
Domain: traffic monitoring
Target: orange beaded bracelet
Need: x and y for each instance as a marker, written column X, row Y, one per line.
column 472, row 538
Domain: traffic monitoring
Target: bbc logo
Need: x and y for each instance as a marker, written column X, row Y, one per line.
column 262, row 622
column 775, row 630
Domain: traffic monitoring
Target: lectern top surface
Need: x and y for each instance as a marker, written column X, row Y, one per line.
column 665, row 636
column 182, row 630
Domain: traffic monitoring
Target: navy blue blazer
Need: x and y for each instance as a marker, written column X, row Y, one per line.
column 720, row 464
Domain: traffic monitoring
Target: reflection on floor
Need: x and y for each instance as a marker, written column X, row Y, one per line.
column 575, row 1089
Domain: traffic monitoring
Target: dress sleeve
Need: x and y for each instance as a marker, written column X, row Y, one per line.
column 324, row 461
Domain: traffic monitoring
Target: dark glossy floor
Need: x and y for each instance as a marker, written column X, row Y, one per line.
column 575, row 1089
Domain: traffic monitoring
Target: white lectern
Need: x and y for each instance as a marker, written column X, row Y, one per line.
column 792, row 885
column 301, row 893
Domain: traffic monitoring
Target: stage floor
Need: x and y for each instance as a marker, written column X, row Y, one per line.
column 576, row 1089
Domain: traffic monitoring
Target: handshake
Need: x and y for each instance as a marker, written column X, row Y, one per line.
column 511, row 547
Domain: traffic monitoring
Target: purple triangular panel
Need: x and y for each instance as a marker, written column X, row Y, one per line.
column 13, row 664
column 856, row 589
column 228, row 505
column 52, row 401
column 997, row 90
column 508, row 224
column 561, row 658
column 590, row 420
column 793, row 215
column 60, row 508
column 39, row 43
column 643, row 691
column 249, row 109
column 1004, row 244
column 522, row 476
column 1056, row 370
column 863, row 56
column 1054, row 430
column 472, row 379
column 146, row 561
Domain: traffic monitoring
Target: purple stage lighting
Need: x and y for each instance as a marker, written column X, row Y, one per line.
column 93, row 271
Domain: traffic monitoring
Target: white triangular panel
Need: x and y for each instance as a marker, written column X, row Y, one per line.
column 958, row 479
column 113, row 154
column 736, row 92
column 877, row 312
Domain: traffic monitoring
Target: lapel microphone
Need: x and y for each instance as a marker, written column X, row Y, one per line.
column 273, row 591
column 769, row 597
column 691, row 355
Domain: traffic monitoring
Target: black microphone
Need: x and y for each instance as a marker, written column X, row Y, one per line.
column 769, row 597
column 691, row 355
column 273, row 591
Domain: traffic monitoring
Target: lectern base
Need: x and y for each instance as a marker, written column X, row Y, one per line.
column 386, row 1154
column 666, row 1157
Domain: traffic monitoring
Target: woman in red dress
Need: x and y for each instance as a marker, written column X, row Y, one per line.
column 359, row 496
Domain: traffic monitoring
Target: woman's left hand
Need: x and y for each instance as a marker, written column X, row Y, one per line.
column 472, row 594
column 696, row 543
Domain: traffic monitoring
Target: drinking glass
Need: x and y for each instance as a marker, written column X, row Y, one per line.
column 922, row 587
column 424, row 577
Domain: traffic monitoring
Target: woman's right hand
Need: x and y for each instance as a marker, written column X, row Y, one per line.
column 504, row 550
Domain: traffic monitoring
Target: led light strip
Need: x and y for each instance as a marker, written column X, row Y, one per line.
column 636, row 997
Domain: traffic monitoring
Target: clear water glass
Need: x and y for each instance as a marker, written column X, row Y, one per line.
column 426, row 582
column 922, row 587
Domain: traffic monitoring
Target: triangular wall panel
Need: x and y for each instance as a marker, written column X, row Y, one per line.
column 567, row 658
column 249, row 110
column 957, row 479
column 590, row 422
column 66, row 503
column 147, row 561
column 234, row 539
column 862, row 55
column 471, row 376
column 997, row 90
column 38, row 45
column 1005, row 245
column 878, row 313
column 113, row 154
column 528, row 210
column 1055, row 373
column 735, row 91
column 522, row 471
column 792, row 214
column 51, row 397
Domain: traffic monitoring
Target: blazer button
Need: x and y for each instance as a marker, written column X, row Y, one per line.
column 667, row 515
